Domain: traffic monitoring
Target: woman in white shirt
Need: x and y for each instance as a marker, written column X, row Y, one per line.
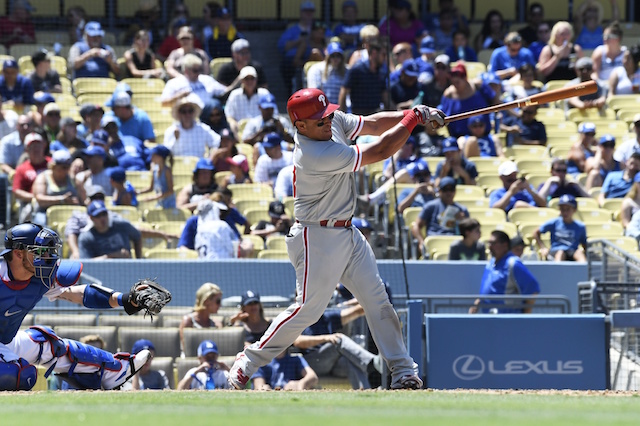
column 625, row 80
column 188, row 136
column 329, row 74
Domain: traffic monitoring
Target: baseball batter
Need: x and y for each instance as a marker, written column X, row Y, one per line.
column 323, row 246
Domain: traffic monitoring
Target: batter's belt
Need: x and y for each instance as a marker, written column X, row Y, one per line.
column 331, row 223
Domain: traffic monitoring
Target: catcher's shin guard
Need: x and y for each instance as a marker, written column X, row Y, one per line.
column 41, row 334
column 83, row 354
column 17, row 375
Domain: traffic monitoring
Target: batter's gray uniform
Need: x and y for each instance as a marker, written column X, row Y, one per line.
column 325, row 190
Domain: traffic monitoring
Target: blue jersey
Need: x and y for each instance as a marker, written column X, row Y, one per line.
column 615, row 185
column 496, row 195
column 281, row 371
column 565, row 236
column 507, row 276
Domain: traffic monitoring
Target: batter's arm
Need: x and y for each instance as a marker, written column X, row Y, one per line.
column 378, row 123
column 390, row 141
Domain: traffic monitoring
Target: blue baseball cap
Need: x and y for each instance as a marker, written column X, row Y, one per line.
column 271, row 140
column 567, row 200
column 204, row 164
column 361, row 223
column 10, row 63
column 410, row 68
column 207, row 347
column 142, row 344
column 490, row 78
column 268, row 101
column 607, row 138
column 334, row 47
column 161, row 150
column 586, row 127
column 447, row 181
column 428, row 45
column 223, row 11
column 475, row 120
column 249, row 297
column 93, row 29
column 96, row 208
column 100, row 137
column 450, row 144
column 43, row 98
column 417, row 167
column 94, row 150
column 118, row 174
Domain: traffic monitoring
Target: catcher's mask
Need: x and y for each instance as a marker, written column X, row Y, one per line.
column 42, row 242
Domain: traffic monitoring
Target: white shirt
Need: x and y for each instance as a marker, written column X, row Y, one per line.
column 193, row 142
column 220, row 377
column 206, row 87
column 8, row 125
column 239, row 106
column 256, row 124
column 284, row 183
column 267, row 168
column 624, row 151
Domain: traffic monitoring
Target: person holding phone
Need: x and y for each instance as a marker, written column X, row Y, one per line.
column 516, row 191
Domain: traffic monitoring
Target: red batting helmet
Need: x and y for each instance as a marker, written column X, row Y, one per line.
column 309, row 104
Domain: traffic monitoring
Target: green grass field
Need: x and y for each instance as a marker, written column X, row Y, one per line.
column 324, row 408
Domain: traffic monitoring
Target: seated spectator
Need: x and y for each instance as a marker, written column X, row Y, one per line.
column 400, row 53
column 405, row 91
column 618, row 183
column 96, row 172
column 108, row 239
column 479, row 142
column 67, row 138
column 434, row 89
column 147, row 377
column 16, row 90
column 568, row 236
column 54, row 187
column 269, row 164
column 631, row 203
column 208, row 300
column 140, row 59
column 329, row 75
column 284, row 183
column 312, row 48
column 525, row 87
column 128, row 152
column 210, row 374
column 241, row 57
column 267, row 121
column 239, row 167
column 131, row 121
column 76, row 18
column 348, row 29
column 8, row 121
column 557, row 185
column 526, row 130
column 43, row 78
column 251, row 317
column 225, row 151
column 91, row 115
column 365, row 84
column 583, row 149
column 445, row 33
column 625, row 80
column 124, row 194
column 218, row 43
column 51, row 121
column 402, row 23
column 368, row 34
column 440, row 216
column 192, row 80
column 608, row 55
column 518, row 248
column 505, row 274
column 18, row 26
column 204, row 184
column 279, row 224
column 214, row 237
column 91, row 57
column 243, row 102
column 455, row 165
column 148, row 19
column 213, row 116
column 602, row 162
column 170, row 41
column 162, row 179
column 40, row 100
column 188, row 136
column 12, row 145
column 506, row 60
column 629, row 146
column 460, row 49
column 543, row 33
column 418, row 196
column 401, row 159
column 584, row 68
column 26, row 173
column 491, row 36
column 535, row 16
column 174, row 62
column 470, row 247
column 516, row 192
column 285, row 372
column 558, row 58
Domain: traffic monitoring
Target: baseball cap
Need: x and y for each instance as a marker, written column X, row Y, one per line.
column 475, row 120
column 61, row 156
column 459, row 69
column 94, row 190
column 108, row 119
column 248, row 71
column 490, row 78
column 249, row 297
column 361, row 223
column 223, row 11
column 204, row 164
column 334, row 47
column 161, row 150
column 447, row 181
column 268, row 101
column 311, row 104
column 588, row 127
column 121, row 99
column 118, row 174
column 51, row 107
column 276, row 209
column 94, row 150
column 607, row 138
column 87, row 109
column 93, row 29
column 96, row 207
column 507, row 168
column 427, row 45
column 442, row 59
column 410, row 68
column 239, row 44
column 567, row 200
column 100, row 137
column 32, row 137
column 207, row 347
column 271, row 140
column 240, row 161
column 583, row 62
column 636, row 118
column 9, row 63
column 417, row 167
column 141, row 345
column 307, row 5
column 450, row 144
column 43, row 98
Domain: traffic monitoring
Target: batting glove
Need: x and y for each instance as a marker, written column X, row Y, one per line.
column 429, row 115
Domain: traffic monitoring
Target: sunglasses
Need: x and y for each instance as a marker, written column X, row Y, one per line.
column 322, row 122
column 609, row 145
column 186, row 110
column 560, row 170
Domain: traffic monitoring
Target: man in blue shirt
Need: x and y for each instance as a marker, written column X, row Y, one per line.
column 131, row 121
column 455, row 165
column 506, row 60
column 15, row 88
column 505, row 274
column 285, row 372
column 292, row 38
column 364, row 83
column 525, row 130
column 567, row 235
column 516, row 192
column 130, row 151
column 617, row 184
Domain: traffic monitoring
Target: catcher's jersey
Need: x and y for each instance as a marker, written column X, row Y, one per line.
column 324, row 186
column 17, row 298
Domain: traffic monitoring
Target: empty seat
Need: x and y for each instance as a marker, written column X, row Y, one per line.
column 53, row 320
column 273, row 255
column 166, row 339
column 138, row 320
column 165, row 253
column 276, row 242
column 230, row 340
column 167, row 215
column 108, row 334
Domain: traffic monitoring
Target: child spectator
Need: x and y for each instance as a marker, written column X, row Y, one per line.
column 210, row 374
column 147, row 378
column 568, row 236
column 470, row 247
column 460, row 49
column 124, row 194
column 251, row 317
column 285, row 372
column 162, row 179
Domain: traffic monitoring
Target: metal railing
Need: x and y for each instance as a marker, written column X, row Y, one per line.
column 457, row 303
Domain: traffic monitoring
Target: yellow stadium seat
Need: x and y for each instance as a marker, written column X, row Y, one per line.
column 256, row 215
column 177, row 254
column 184, row 164
column 276, row 242
column 532, row 215
column 390, row 204
column 244, row 204
column 65, row 100
column 604, row 230
column 273, row 255
column 145, row 85
column 439, row 243
column 579, row 115
column 57, row 215
column 487, row 215
column 612, row 204
column 509, row 228
column 526, row 152
column 537, row 179
column 625, row 243
column 93, row 98
column 555, row 84
column 182, row 179
column 173, row 228
column 488, row 181
column 433, row 163
column 474, row 69
column 560, row 151
column 477, row 203
column 166, row 215
column 140, row 180
column 486, row 164
column 534, row 165
column 288, row 206
column 251, row 191
column 526, row 231
column 617, row 102
column 265, row 9
column 562, row 128
column 66, row 85
column 593, row 215
column 583, row 203
column 550, row 116
column 246, row 150
column 221, row 177
column 469, row 192
column 93, row 85
column 130, row 213
column 257, row 241
column 217, row 63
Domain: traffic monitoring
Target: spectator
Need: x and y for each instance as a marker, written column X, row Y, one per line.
column 243, row 102
column 266, row 122
column 108, row 239
column 558, row 58
column 440, row 216
column 526, row 87
column 460, row 22
column 584, row 68
column 147, row 19
column 214, row 237
column 470, row 247
column 479, row 142
column 516, row 192
column 218, row 44
column 128, row 151
column 173, row 64
column 26, row 173
column 525, row 130
column 535, row 17
column 583, row 149
column 518, row 248
column 400, row 53
column 162, row 179
column 269, row 164
column 170, row 42
column 610, row 55
column 124, row 194
column 67, row 138
column 557, row 185
column 208, row 300
column 188, row 136
column 434, row 89
column 368, row 34
column 279, row 223
column 204, row 184
column 463, row 95
column 76, row 18
column 628, row 147
column 444, row 35
column 43, row 78
column 568, row 236
column 284, row 183
column 91, row 57
column 329, row 75
column 16, row 90
column 54, row 187
column 225, row 151
column 313, row 47
column 241, row 57
column 40, row 100
column 17, row 27
column 492, row 34
column 210, row 374
column 618, row 183
column 455, row 165
column 364, row 83
column 603, row 162
column 403, row 24
column 251, row 317
column 239, row 166
column 8, row 121
column 91, row 120
column 285, row 372
column 405, row 92
column 544, row 35
column 460, row 49
column 194, row 81
column 210, row 12
column 140, row 59
column 132, row 121
column 588, row 22
column 147, row 377
column 96, row 173
column 12, row 146
column 418, row 196
column 401, row 159
column 348, row 30
column 425, row 59
column 506, row 60
column 505, row 274
column 632, row 229
column 213, row 116
column 631, row 203
column 625, row 80
column 51, row 121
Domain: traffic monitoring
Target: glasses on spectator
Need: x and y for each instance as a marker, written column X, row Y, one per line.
column 611, row 37
column 54, row 113
column 609, row 145
column 186, row 110
column 560, row 170
column 322, row 122
column 185, row 38
column 585, row 69
column 592, row 134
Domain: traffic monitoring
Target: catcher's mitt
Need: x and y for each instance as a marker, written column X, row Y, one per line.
column 146, row 294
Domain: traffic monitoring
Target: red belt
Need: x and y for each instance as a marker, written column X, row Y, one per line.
column 337, row 223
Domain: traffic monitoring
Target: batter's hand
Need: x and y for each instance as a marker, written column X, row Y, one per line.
column 429, row 115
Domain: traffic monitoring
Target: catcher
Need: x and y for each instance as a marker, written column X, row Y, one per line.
column 30, row 268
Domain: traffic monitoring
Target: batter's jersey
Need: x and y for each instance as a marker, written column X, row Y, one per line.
column 324, row 185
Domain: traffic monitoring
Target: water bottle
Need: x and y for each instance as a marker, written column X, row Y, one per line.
column 210, row 383
column 460, row 53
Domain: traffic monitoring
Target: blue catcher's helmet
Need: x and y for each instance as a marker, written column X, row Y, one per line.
column 42, row 242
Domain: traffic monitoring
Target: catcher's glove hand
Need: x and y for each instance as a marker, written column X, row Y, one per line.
column 148, row 295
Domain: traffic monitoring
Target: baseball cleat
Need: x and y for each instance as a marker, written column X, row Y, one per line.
column 407, row 382
column 131, row 364
column 237, row 378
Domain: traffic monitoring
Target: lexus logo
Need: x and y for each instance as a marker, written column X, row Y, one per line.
column 468, row 367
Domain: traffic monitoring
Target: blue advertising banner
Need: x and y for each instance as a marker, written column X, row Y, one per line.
column 516, row 352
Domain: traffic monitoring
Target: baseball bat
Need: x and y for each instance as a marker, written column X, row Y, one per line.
column 581, row 89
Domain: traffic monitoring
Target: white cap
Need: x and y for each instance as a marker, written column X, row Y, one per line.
column 122, row 99
column 239, row 44
column 248, row 71
column 442, row 59
column 32, row 137
column 507, row 168
column 51, row 107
